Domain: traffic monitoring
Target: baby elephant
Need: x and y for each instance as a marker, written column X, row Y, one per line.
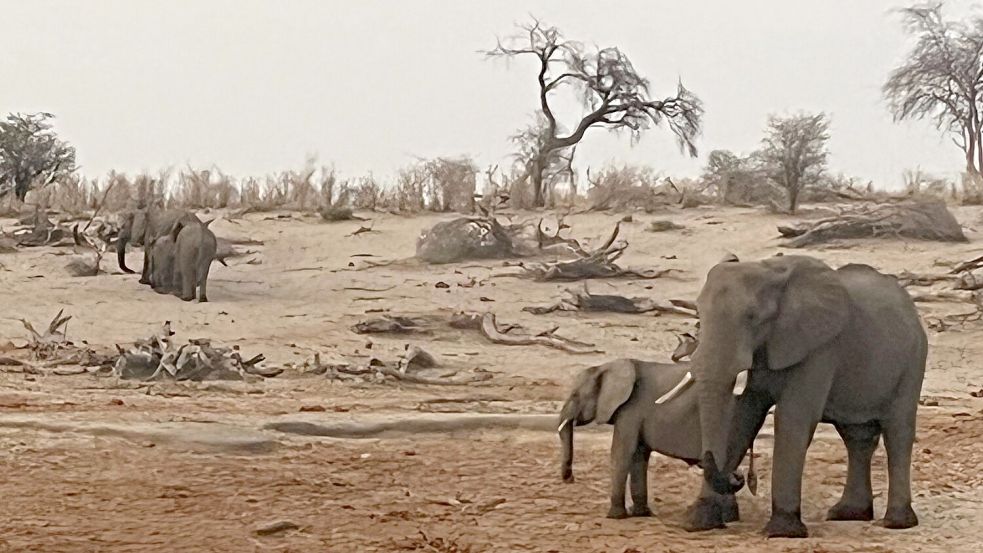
column 194, row 250
column 161, row 269
column 629, row 394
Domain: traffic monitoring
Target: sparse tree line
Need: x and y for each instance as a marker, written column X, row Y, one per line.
column 940, row 79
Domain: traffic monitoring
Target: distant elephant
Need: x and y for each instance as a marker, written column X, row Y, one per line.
column 639, row 399
column 840, row 346
column 162, row 273
column 141, row 227
column 194, row 250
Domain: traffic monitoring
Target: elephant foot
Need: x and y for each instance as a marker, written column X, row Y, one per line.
column 640, row 510
column 144, row 280
column 784, row 524
column 728, row 509
column 187, row 298
column 203, row 299
column 567, row 476
column 617, row 513
column 900, row 518
column 703, row 515
column 845, row 511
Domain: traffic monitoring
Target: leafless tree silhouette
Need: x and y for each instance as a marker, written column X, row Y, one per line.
column 941, row 78
column 793, row 152
column 31, row 154
column 615, row 96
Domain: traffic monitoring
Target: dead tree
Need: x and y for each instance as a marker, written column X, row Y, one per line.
column 617, row 97
column 941, row 79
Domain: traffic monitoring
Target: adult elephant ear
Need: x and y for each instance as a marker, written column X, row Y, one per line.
column 616, row 384
column 812, row 310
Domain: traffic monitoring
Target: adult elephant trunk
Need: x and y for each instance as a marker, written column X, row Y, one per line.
column 568, row 420
column 720, row 371
column 121, row 241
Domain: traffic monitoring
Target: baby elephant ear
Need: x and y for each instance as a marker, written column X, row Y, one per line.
column 616, row 383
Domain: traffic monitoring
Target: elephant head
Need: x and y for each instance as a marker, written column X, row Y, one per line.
column 596, row 396
column 771, row 315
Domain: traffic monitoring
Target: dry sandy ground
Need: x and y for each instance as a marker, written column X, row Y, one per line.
column 91, row 464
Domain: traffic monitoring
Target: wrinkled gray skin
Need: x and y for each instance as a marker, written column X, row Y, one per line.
column 844, row 347
column 162, row 274
column 141, row 227
column 623, row 393
column 194, row 251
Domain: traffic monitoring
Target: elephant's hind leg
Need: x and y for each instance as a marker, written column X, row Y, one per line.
column 189, row 280
column 145, row 274
column 638, row 476
column 857, row 502
column 899, row 438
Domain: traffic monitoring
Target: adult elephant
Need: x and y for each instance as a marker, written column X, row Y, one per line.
column 841, row 346
column 141, row 227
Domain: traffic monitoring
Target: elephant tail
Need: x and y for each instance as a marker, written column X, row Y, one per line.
column 568, row 419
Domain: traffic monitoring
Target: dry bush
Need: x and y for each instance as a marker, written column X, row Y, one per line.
column 366, row 193
column 972, row 189
column 629, row 187
column 920, row 183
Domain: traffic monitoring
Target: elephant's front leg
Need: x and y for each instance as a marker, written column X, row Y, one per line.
column 711, row 509
column 623, row 447
column 795, row 423
column 639, row 482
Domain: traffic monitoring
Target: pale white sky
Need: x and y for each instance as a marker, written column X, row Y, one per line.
column 256, row 86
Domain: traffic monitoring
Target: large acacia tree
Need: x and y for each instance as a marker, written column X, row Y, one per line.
column 31, row 154
column 614, row 96
column 941, row 78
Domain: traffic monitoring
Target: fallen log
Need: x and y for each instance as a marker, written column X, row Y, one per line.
column 489, row 328
column 920, row 220
column 586, row 301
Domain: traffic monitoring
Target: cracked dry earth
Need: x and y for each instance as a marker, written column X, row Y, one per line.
column 92, row 464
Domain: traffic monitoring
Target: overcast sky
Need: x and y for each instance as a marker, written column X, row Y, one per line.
column 258, row 86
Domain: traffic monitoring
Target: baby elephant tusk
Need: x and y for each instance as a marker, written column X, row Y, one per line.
column 562, row 424
column 741, row 383
column 687, row 379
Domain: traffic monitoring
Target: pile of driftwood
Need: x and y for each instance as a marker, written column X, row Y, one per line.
column 597, row 263
column 52, row 348
column 414, row 366
column 485, row 238
column 159, row 357
column 584, row 300
column 920, row 220
column 485, row 323
column 962, row 284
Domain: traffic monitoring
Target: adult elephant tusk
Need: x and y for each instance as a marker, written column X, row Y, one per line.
column 741, row 383
column 686, row 381
column 562, row 424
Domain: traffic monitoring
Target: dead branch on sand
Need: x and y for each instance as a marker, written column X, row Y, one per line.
column 686, row 346
column 389, row 324
column 921, row 220
column 577, row 300
column 85, row 265
column 159, row 357
column 488, row 326
column 413, row 360
column 599, row 263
